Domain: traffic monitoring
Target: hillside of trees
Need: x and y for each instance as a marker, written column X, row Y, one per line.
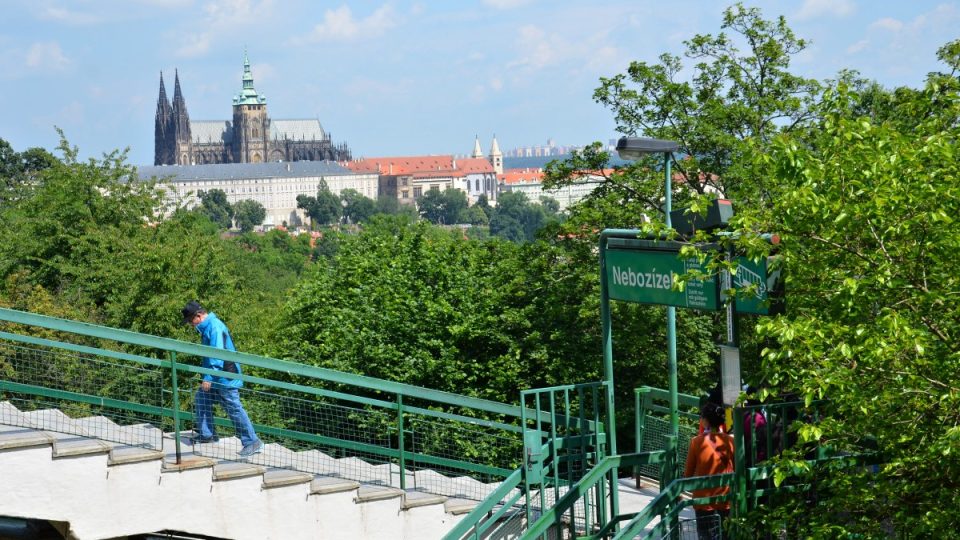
column 859, row 181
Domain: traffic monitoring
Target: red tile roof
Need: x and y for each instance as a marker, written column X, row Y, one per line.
column 402, row 164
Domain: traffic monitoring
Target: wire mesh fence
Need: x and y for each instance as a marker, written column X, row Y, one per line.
column 76, row 388
column 702, row 528
column 656, row 429
column 87, row 395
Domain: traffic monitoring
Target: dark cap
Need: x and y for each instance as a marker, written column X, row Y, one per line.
column 190, row 311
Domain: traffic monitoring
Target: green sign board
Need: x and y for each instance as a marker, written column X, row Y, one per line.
column 759, row 291
column 647, row 276
column 644, row 271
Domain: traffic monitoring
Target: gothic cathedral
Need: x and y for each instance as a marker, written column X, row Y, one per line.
column 251, row 137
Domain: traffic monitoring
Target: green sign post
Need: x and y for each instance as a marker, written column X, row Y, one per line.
column 759, row 290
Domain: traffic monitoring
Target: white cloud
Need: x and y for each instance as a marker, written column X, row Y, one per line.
column 887, row 23
column 858, row 46
column 340, row 25
column 69, row 17
column 505, row 4
column 812, row 9
column 46, row 55
column 538, row 50
column 196, row 45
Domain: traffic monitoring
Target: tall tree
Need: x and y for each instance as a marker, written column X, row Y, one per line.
column 739, row 93
column 324, row 209
column 357, row 208
column 249, row 214
column 866, row 217
column 214, row 205
column 442, row 207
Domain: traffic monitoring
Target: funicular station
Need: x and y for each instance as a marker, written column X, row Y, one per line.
column 94, row 444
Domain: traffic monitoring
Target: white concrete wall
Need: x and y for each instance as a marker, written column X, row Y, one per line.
column 101, row 501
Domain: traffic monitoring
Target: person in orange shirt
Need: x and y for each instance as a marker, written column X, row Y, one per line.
column 710, row 453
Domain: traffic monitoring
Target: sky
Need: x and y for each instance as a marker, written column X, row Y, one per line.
column 394, row 78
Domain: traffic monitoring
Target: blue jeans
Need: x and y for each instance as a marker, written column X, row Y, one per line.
column 229, row 399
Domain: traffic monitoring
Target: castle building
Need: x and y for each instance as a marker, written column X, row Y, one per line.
column 250, row 137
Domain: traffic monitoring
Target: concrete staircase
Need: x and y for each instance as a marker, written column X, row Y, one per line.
column 65, row 470
column 95, row 479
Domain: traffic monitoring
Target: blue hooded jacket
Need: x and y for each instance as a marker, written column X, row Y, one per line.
column 214, row 333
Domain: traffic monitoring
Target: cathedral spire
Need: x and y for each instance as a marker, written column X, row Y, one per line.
column 181, row 119
column 162, row 127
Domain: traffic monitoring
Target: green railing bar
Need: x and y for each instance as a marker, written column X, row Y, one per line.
column 659, row 504
column 551, row 517
column 82, row 349
column 473, row 518
column 175, row 408
column 401, row 435
column 83, row 398
column 285, row 366
column 686, row 400
column 495, row 517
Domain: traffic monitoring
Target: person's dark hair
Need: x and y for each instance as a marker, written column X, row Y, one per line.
column 713, row 414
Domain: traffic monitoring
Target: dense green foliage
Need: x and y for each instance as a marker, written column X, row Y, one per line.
column 859, row 181
column 248, row 214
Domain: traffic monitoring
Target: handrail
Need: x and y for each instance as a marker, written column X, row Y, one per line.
column 476, row 515
column 659, row 504
column 429, row 412
column 595, row 475
column 284, row 366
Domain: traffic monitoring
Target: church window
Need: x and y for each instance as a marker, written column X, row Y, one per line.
column 256, row 133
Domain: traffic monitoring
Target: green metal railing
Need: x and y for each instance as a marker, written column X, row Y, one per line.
column 132, row 388
column 652, row 424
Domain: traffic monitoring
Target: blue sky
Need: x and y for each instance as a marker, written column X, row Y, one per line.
column 397, row 77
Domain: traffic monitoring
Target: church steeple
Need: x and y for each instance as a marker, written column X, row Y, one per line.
column 477, row 152
column 181, row 119
column 162, row 127
column 248, row 95
column 496, row 156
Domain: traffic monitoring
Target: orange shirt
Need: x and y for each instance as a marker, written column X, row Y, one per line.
column 710, row 453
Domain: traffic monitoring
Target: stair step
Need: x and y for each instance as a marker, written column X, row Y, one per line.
column 121, row 455
column 24, row 439
column 283, row 477
column 230, row 471
column 187, row 463
column 78, row 446
column 322, row 485
column 368, row 493
column 459, row 506
column 414, row 499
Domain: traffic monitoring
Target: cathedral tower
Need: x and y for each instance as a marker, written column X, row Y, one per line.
column 163, row 129
column 251, row 128
column 181, row 126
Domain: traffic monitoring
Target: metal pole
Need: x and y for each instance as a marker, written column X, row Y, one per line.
column 671, row 317
column 176, row 403
column 402, row 462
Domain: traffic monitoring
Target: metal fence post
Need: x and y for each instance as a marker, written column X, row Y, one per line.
column 176, row 403
column 400, row 443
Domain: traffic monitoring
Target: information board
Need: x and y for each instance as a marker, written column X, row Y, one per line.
column 648, row 276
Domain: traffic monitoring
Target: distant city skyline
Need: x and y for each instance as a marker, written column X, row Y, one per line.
column 405, row 77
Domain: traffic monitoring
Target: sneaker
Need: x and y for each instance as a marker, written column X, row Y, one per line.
column 253, row 448
column 197, row 438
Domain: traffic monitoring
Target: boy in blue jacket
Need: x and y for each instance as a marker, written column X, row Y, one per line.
column 222, row 390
